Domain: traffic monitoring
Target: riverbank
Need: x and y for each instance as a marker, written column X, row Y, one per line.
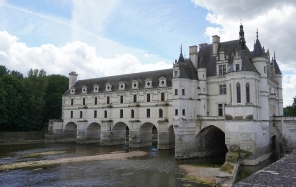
column 43, row 163
column 201, row 174
column 12, row 138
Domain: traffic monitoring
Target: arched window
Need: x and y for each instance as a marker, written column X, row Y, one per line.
column 238, row 93
column 247, row 92
column 160, row 113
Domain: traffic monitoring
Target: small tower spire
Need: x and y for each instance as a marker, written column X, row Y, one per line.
column 274, row 55
column 181, row 49
column 257, row 34
column 242, row 40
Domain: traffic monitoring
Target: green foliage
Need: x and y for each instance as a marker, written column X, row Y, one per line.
column 57, row 85
column 26, row 104
column 290, row 110
column 3, row 70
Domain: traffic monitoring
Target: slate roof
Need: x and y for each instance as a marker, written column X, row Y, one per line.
column 258, row 50
column 229, row 48
column 187, row 69
column 277, row 68
column 127, row 79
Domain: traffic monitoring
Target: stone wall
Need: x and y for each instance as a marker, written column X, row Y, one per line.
column 21, row 137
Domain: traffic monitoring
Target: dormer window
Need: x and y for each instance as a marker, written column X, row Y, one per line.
column 121, row 85
column 176, row 73
column 135, row 84
column 96, row 88
column 84, row 89
column 72, row 91
column 162, row 82
column 148, row 83
column 237, row 67
column 108, row 87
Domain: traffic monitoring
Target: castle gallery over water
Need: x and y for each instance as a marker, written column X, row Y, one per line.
column 223, row 96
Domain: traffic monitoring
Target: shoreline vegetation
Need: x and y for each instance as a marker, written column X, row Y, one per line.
column 200, row 174
column 44, row 163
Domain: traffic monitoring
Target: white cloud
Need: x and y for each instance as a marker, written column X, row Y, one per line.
column 77, row 56
column 274, row 20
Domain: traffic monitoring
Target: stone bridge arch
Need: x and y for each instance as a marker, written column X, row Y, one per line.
column 93, row 132
column 70, row 132
column 120, row 134
column 211, row 141
column 148, row 134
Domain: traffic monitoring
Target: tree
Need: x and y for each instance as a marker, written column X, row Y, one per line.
column 34, row 92
column 12, row 89
column 57, row 85
column 3, row 70
column 3, row 113
column 290, row 110
column 17, row 74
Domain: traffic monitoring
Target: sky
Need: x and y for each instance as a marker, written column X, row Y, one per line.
column 99, row 38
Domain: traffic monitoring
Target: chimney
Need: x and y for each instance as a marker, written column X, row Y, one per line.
column 193, row 55
column 72, row 79
column 215, row 42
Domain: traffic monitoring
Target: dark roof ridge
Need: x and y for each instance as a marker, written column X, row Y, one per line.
column 136, row 73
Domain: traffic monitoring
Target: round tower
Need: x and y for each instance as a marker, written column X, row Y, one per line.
column 203, row 95
column 260, row 63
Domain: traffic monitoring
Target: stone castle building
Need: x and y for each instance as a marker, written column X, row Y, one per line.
column 223, row 95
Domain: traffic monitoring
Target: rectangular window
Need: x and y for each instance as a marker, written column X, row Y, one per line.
column 132, row 113
column 236, row 67
column 121, row 113
column 95, row 114
column 220, row 109
column 71, row 114
column 162, row 98
column 222, row 69
column 135, row 98
column 176, row 91
column 176, row 74
column 96, row 100
column 176, row 112
column 148, row 113
column 222, row 89
column 148, row 97
column 183, row 112
column 160, row 113
column 72, row 102
column 105, row 114
column 108, row 100
column 183, row 91
column 80, row 114
column 83, row 101
column 121, row 99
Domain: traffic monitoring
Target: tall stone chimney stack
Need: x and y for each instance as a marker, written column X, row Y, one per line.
column 72, row 79
column 215, row 42
column 193, row 55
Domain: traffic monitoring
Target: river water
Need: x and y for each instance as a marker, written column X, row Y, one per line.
column 157, row 169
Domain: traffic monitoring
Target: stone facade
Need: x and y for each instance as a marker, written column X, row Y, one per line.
column 223, row 95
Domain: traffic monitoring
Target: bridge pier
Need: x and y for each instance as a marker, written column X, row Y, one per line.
column 106, row 133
